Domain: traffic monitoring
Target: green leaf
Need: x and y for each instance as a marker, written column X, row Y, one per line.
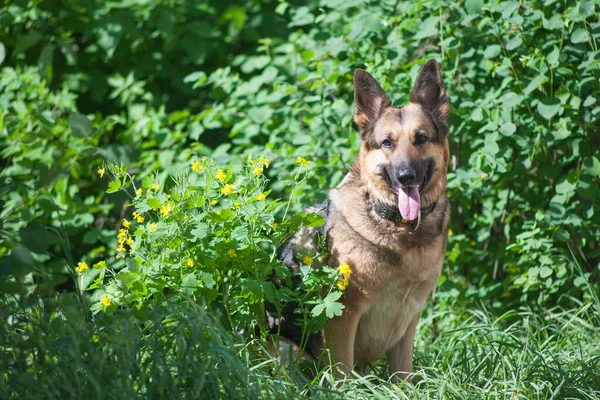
column 114, row 186
column 580, row 35
column 153, row 203
column 545, row 272
column 535, row 83
column 492, row 51
column 555, row 22
column 90, row 151
column 562, row 235
column 565, row 187
column 35, row 237
column 580, row 281
column 508, row 128
column 548, row 107
column 330, row 305
column 473, row 6
column 514, row 43
column 200, row 231
column 189, row 283
column 553, row 57
column 2, row 55
column 22, row 256
column 591, row 166
column 301, row 17
column 80, row 126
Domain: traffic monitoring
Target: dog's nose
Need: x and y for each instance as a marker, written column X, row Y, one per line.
column 406, row 176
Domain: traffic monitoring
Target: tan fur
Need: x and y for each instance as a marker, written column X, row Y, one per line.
column 394, row 267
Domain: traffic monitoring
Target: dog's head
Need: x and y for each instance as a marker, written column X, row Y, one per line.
column 404, row 154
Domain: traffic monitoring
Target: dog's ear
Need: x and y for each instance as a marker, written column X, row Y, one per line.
column 430, row 92
column 369, row 101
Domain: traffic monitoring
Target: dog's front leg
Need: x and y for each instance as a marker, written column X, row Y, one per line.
column 400, row 357
column 340, row 334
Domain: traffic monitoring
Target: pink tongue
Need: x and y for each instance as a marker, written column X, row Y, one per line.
column 409, row 203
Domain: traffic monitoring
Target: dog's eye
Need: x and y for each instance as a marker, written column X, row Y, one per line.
column 387, row 143
column 420, row 138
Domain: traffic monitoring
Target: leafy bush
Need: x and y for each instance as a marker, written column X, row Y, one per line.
column 143, row 89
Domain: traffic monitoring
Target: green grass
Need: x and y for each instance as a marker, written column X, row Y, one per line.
column 184, row 353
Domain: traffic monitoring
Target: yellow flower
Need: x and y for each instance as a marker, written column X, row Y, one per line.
column 152, row 227
column 261, row 197
column 139, row 219
column 218, row 212
column 343, row 284
column 106, row 301
column 345, row 270
column 307, row 260
column 190, row 262
column 257, row 171
column 81, row 266
column 221, row 175
column 185, row 217
column 236, row 204
column 449, row 232
column 232, row 253
column 155, row 186
column 126, row 223
column 302, row 161
column 275, row 225
column 166, row 209
column 129, row 241
column 139, row 192
column 264, row 161
column 196, row 167
column 213, row 202
column 101, row 172
column 121, row 248
column 227, row 189
column 100, row 264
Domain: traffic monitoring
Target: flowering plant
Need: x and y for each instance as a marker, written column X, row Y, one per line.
column 211, row 236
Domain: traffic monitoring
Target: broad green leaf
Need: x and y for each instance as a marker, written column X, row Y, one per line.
column 565, row 187
column 113, row 186
column 545, row 272
column 189, row 283
column 535, row 83
column 555, row 22
column 508, row 128
column 80, row 126
column 473, row 6
column 548, row 107
column 492, row 51
column 562, row 235
column 580, row 35
column 153, row 203
column 591, row 166
column 35, row 237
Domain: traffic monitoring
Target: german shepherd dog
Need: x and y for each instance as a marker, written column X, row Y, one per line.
column 388, row 221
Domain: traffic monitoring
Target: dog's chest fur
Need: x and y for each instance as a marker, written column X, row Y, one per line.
column 394, row 268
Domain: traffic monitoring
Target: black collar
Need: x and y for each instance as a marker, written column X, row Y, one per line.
column 392, row 214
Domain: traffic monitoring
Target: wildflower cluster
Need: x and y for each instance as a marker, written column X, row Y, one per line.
column 81, row 267
column 345, row 272
column 302, row 162
column 124, row 236
column 209, row 219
